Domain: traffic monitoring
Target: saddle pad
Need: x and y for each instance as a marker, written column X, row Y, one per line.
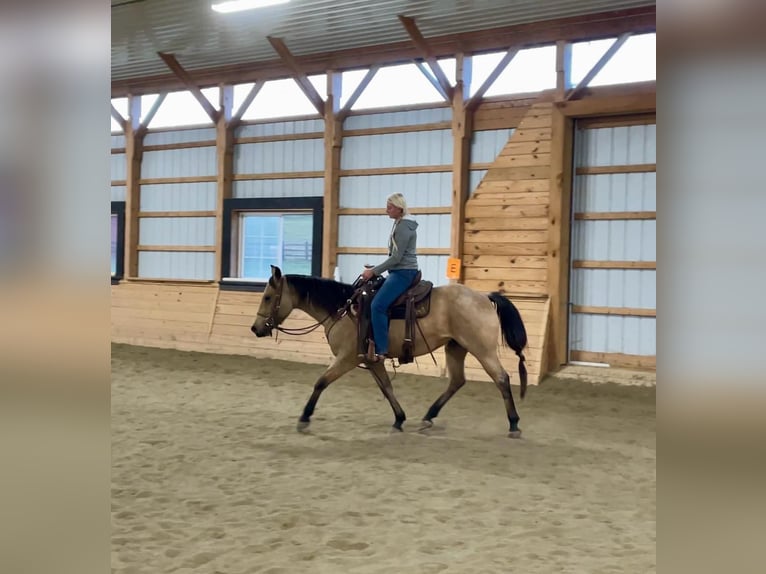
column 421, row 309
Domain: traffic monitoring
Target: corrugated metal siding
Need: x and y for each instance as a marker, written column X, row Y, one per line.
column 306, row 187
column 176, row 265
column 187, row 162
column 119, row 166
column 397, row 150
column 279, row 156
column 485, row 145
column 614, row 240
column 179, row 197
column 118, row 193
column 373, row 230
column 474, row 179
column 281, row 128
column 177, row 231
column 420, row 189
column 118, row 141
column 433, row 267
column 403, row 118
column 617, row 146
column 179, row 136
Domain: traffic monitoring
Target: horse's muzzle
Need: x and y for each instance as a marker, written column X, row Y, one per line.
column 262, row 332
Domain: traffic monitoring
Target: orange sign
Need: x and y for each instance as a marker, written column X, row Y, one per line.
column 453, row 268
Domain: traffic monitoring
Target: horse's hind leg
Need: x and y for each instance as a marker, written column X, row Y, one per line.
column 495, row 370
column 337, row 369
column 456, row 369
column 378, row 371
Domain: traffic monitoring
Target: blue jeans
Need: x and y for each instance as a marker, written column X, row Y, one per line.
column 396, row 283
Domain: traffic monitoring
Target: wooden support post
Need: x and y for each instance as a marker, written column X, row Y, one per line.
column 224, row 145
column 462, row 126
column 563, row 68
column 333, row 140
column 134, row 147
column 559, row 231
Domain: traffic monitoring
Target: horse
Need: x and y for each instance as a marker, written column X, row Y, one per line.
column 461, row 320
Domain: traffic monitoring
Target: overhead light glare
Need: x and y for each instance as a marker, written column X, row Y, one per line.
column 239, row 5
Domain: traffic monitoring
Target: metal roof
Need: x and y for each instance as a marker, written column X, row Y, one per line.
column 203, row 39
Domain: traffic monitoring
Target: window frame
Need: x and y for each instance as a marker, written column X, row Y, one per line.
column 118, row 209
column 233, row 207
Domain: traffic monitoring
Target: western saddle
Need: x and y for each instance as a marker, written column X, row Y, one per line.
column 411, row 305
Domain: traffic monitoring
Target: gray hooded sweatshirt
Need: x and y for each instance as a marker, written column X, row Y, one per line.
column 402, row 247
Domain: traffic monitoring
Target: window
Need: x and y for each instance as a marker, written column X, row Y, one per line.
column 118, row 240
column 259, row 233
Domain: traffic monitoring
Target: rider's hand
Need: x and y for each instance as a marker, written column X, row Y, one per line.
column 368, row 274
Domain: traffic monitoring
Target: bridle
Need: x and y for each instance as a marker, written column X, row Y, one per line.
column 271, row 319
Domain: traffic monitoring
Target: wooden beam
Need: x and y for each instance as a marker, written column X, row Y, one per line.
column 333, row 140
column 380, row 211
column 343, row 113
column 428, row 54
column 224, row 145
column 605, row 169
column 647, row 362
column 563, row 68
column 298, row 74
column 572, row 29
column 144, row 125
column 475, row 100
column 609, row 105
column 172, row 63
column 134, row 139
column 119, row 119
column 614, row 215
column 429, row 76
column 236, row 118
column 559, row 237
column 611, row 51
column 589, row 264
column 618, row 311
column 462, row 122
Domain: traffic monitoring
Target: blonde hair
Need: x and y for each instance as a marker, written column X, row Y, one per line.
column 397, row 200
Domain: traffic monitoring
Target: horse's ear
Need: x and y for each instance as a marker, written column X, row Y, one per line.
column 276, row 272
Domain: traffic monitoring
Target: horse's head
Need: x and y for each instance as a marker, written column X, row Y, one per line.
column 276, row 304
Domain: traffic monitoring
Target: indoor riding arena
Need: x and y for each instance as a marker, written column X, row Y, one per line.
column 260, row 135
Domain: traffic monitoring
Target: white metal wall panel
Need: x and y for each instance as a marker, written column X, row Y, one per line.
column 118, row 193
column 487, row 144
column 279, row 156
column 433, row 267
column 281, row 128
column 614, row 240
column 305, row 187
column 402, row 118
column 188, row 162
column 119, row 166
column 179, row 136
column 176, row 265
column 420, row 189
column 623, row 145
column 177, row 231
column 397, row 150
column 118, row 140
column 474, row 179
column 373, row 230
column 179, row 197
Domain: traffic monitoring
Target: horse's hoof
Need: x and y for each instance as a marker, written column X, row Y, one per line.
column 425, row 425
column 397, row 426
column 514, row 433
column 302, row 426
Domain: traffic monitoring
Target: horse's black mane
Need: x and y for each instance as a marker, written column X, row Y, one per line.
column 325, row 293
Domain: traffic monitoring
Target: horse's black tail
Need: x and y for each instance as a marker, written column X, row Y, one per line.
column 514, row 333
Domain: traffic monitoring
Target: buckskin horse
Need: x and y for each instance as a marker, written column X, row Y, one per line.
column 460, row 319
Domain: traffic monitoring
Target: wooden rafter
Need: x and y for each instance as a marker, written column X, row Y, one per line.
column 475, row 100
column 299, row 75
column 141, row 130
column 428, row 54
column 343, row 113
column 429, row 76
column 236, row 118
column 616, row 45
column 188, row 81
column 119, row 119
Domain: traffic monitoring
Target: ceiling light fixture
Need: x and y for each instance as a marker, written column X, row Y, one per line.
column 239, row 5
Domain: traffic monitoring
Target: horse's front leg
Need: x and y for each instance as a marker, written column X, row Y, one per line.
column 380, row 375
column 339, row 367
